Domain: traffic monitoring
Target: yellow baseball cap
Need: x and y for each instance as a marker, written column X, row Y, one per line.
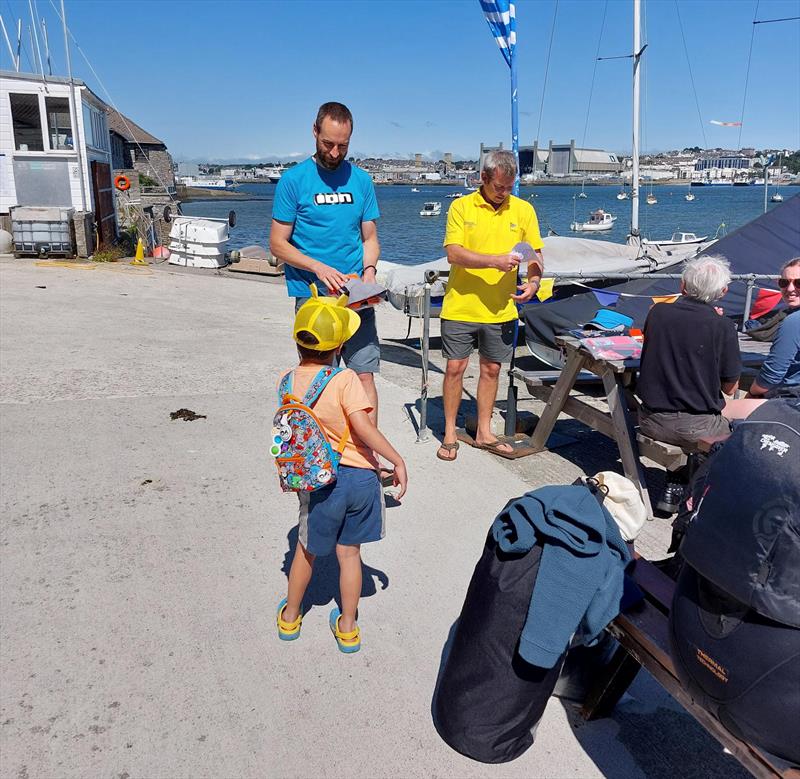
column 327, row 319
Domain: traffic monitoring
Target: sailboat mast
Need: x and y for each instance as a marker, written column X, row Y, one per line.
column 637, row 42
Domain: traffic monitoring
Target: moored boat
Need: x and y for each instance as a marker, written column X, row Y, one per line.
column 431, row 208
column 599, row 221
column 678, row 239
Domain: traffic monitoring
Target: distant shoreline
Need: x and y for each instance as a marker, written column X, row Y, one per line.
column 198, row 194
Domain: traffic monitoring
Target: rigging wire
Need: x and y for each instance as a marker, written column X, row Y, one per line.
column 747, row 76
column 111, row 101
column 594, row 73
column 691, row 76
column 546, row 70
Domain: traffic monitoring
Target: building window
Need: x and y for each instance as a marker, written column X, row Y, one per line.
column 59, row 124
column 99, row 130
column 27, row 122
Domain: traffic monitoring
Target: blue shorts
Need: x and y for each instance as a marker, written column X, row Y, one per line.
column 362, row 353
column 350, row 511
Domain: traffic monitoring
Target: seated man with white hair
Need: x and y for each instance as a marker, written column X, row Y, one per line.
column 690, row 357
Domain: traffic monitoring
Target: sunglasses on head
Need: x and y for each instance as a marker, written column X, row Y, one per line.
column 784, row 283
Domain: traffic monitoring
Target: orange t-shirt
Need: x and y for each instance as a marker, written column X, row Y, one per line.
column 342, row 395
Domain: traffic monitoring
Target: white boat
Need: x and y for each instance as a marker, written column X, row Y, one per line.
column 599, row 221
column 414, row 189
column 582, row 194
column 689, row 197
column 195, row 242
column 651, row 199
column 622, row 195
column 206, row 182
column 454, row 195
column 678, row 239
column 273, row 174
column 431, row 208
column 776, row 198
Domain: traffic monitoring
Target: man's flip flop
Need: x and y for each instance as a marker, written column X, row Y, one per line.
column 347, row 642
column 448, row 448
column 287, row 631
column 494, row 447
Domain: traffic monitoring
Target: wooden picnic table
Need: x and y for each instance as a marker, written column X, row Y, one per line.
column 643, row 635
column 620, row 421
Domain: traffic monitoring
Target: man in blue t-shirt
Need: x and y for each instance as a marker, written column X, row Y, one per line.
column 323, row 229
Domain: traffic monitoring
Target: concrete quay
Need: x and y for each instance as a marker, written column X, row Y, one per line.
column 143, row 558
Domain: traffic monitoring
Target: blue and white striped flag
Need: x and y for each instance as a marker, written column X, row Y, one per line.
column 503, row 24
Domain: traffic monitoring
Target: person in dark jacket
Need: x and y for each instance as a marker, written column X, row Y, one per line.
column 690, row 357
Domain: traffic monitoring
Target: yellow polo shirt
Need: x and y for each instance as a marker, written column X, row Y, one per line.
column 484, row 294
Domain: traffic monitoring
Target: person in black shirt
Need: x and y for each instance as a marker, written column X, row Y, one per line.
column 690, row 357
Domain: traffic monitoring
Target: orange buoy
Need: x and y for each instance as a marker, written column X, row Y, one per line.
column 122, row 183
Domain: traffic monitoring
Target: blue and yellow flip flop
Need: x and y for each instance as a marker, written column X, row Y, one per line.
column 288, row 631
column 347, row 642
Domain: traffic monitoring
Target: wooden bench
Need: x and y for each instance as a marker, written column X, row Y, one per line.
column 644, row 643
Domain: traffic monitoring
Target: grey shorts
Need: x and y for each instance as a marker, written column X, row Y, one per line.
column 362, row 353
column 680, row 428
column 493, row 341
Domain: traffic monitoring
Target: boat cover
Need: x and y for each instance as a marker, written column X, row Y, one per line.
column 561, row 255
column 761, row 246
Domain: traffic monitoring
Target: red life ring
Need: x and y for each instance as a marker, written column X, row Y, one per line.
column 122, row 183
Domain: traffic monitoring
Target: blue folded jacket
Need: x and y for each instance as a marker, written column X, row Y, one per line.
column 579, row 585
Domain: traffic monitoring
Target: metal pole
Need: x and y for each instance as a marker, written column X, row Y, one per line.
column 511, row 396
column 422, row 434
column 514, row 107
column 47, row 47
column 35, row 39
column 748, row 300
column 766, row 185
column 637, row 33
column 8, row 42
column 76, row 136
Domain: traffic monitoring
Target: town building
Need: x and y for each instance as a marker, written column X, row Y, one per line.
column 136, row 150
column 736, row 162
column 562, row 159
column 49, row 156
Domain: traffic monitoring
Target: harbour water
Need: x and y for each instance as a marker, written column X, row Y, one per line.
column 408, row 238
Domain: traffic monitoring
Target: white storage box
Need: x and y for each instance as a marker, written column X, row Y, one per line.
column 42, row 230
column 198, row 243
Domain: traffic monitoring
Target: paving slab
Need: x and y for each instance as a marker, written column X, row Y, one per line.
column 143, row 557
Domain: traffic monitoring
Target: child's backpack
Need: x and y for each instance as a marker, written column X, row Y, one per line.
column 304, row 456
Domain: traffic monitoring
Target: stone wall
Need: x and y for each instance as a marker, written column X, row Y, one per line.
column 130, row 207
column 83, row 225
column 155, row 162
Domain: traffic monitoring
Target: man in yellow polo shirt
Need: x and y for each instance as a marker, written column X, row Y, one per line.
column 480, row 304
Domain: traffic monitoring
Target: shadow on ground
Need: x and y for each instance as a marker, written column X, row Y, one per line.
column 324, row 586
column 657, row 739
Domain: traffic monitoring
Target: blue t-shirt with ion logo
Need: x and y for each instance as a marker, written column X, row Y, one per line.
column 326, row 208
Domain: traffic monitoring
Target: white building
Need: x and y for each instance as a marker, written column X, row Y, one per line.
column 48, row 156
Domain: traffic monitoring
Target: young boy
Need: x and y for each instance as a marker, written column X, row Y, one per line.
column 349, row 512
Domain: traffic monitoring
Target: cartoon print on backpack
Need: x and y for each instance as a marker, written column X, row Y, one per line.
column 305, row 459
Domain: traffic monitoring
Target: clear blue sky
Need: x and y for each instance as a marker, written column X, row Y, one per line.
column 237, row 80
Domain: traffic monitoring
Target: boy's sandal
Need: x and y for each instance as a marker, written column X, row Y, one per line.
column 347, row 642
column 448, row 448
column 288, row 631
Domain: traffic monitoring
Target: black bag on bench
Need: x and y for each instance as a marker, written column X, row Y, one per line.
column 488, row 699
column 735, row 617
